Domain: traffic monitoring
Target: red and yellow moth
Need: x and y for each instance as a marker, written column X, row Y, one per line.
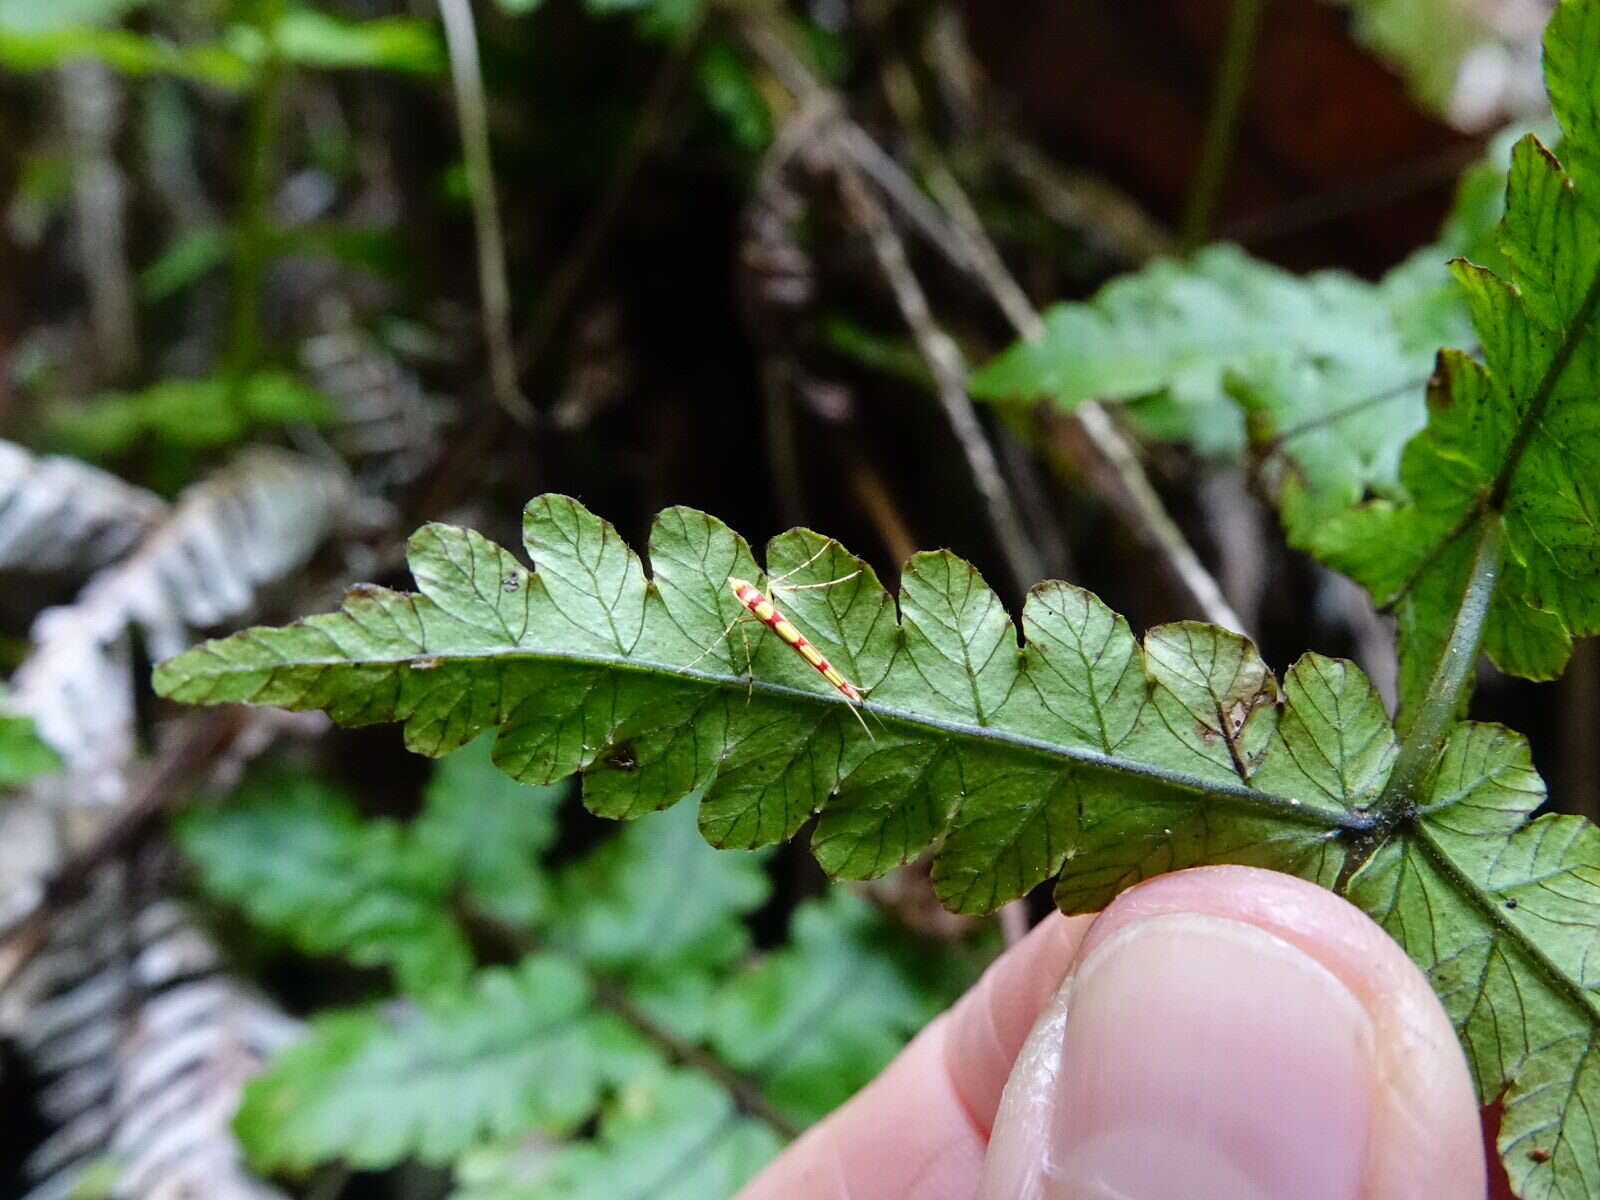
column 747, row 594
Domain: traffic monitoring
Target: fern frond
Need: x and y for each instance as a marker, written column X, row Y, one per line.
column 1175, row 339
column 145, row 1046
column 673, row 1135
column 819, row 1018
column 246, row 526
column 386, row 424
column 1512, row 444
column 523, row 1048
column 1080, row 737
column 293, row 853
column 59, row 514
column 608, row 912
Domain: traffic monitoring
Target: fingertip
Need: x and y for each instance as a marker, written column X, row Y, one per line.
column 1230, row 1031
column 989, row 1024
column 921, row 1128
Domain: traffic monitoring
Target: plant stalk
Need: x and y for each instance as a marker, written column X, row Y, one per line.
column 494, row 289
column 1452, row 676
column 949, row 370
column 1222, row 125
column 252, row 231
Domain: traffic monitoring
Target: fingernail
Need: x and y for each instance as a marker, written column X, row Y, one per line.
column 1189, row 1056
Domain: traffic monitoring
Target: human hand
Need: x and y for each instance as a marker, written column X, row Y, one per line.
column 1224, row 1033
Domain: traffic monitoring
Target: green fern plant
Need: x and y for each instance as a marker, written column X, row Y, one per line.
column 670, row 1135
column 1080, row 752
column 656, row 1020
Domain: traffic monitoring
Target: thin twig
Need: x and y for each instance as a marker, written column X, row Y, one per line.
column 878, row 502
column 1323, row 207
column 1150, row 517
column 900, row 88
column 1234, row 518
column 1370, row 630
column 890, row 177
column 1087, row 204
column 1141, row 505
column 251, row 233
column 459, row 470
column 1136, row 496
column 1222, row 125
column 1106, row 217
column 950, row 375
column 472, row 115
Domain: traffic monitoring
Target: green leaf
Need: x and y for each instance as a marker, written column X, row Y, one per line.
column 124, row 51
column 195, row 254
column 1500, row 913
column 893, row 356
column 1517, row 438
column 662, row 14
column 23, row 754
column 36, row 16
column 296, row 857
column 1329, row 428
column 1480, row 199
column 731, row 90
column 818, row 1019
column 493, row 831
column 977, row 739
column 315, row 39
column 673, row 1135
column 520, row 1048
column 189, row 258
column 609, row 914
column 1328, row 369
column 1331, row 744
column 302, row 36
column 1170, row 337
column 214, row 410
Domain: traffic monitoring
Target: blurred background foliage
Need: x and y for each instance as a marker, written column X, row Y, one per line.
column 280, row 281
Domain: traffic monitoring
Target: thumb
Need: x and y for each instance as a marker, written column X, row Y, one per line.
column 1234, row 1033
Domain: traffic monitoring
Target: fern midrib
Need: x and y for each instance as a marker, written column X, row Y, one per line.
column 1554, row 974
column 1284, row 807
column 1544, row 394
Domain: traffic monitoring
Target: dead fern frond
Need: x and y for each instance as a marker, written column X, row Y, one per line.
column 59, row 514
column 250, row 524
